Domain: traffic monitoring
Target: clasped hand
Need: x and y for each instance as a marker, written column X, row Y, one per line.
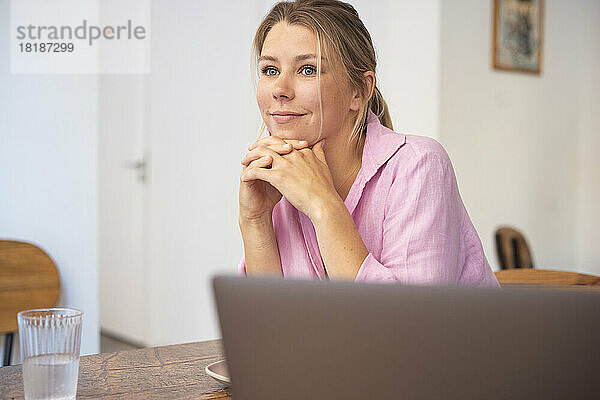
column 299, row 173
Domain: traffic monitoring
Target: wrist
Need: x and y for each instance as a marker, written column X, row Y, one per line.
column 327, row 209
column 265, row 219
column 257, row 233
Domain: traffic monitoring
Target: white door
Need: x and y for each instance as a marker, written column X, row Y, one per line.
column 121, row 207
column 201, row 116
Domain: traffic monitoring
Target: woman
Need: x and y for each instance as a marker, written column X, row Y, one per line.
column 360, row 202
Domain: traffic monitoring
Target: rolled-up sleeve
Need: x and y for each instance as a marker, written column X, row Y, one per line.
column 421, row 227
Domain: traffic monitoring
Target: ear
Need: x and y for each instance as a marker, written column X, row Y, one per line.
column 369, row 82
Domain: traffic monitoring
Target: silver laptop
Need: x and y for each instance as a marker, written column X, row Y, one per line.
column 292, row 339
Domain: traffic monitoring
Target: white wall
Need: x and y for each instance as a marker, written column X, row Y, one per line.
column 406, row 35
column 516, row 139
column 589, row 140
column 48, row 175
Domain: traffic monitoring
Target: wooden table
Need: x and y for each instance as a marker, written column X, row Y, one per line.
column 167, row 372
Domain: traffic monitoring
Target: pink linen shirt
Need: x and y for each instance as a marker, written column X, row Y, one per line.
column 408, row 211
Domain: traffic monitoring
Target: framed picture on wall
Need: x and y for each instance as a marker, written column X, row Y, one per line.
column 517, row 37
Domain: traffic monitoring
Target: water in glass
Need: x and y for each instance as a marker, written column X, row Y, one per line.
column 50, row 376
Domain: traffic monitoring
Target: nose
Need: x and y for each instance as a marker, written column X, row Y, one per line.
column 283, row 88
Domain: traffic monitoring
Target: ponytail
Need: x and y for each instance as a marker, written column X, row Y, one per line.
column 379, row 107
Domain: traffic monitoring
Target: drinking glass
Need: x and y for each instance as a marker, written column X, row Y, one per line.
column 50, row 342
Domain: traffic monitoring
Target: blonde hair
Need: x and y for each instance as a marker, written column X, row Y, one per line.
column 337, row 25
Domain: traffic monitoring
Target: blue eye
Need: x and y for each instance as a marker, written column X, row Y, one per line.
column 267, row 71
column 310, row 68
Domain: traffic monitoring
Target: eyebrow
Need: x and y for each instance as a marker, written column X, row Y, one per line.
column 300, row 57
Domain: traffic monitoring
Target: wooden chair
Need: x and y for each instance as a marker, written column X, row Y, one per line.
column 28, row 279
column 512, row 249
column 539, row 277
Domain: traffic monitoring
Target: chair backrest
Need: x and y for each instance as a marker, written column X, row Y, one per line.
column 28, row 279
column 539, row 277
column 512, row 249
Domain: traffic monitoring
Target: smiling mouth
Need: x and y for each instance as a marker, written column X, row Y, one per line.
column 284, row 118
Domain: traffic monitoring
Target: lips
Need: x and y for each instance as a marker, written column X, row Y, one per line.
column 283, row 117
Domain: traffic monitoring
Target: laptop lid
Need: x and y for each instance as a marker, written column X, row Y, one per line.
column 292, row 339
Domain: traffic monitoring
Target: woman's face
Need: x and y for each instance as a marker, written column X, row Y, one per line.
column 288, row 84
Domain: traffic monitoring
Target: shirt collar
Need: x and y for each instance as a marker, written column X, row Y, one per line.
column 380, row 144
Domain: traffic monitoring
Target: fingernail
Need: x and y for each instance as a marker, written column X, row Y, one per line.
column 303, row 142
column 287, row 146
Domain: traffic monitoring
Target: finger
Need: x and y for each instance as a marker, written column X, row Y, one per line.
column 275, row 140
column 257, row 173
column 286, row 148
column 298, row 144
column 258, row 153
column 262, row 162
column 283, row 148
column 266, row 141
